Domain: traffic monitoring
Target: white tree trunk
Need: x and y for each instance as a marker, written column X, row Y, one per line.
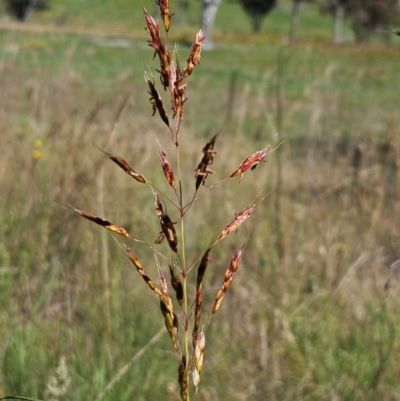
column 294, row 23
column 338, row 23
column 209, row 10
column 29, row 9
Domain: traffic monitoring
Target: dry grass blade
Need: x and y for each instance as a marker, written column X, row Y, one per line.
column 183, row 378
column 230, row 271
column 240, row 218
column 126, row 167
column 202, row 169
column 393, row 267
column 123, row 371
column 176, row 285
column 198, row 359
column 251, row 162
column 102, row 222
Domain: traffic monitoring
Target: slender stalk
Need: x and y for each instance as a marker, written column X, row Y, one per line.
column 105, row 275
column 183, row 259
column 279, row 123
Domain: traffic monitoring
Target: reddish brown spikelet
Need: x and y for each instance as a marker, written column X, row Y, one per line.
column 165, row 64
column 240, row 218
column 156, row 102
column 159, row 48
column 168, row 230
column 198, row 359
column 159, row 208
column 202, row 169
column 230, row 271
column 167, row 227
column 153, row 30
column 163, row 296
column 195, row 53
column 205, row 260
column 171, row 323
column 178, row 92
column 164, row 285
column 135, row 261
column 183, row 378
column 197, row 315
column 251, row 162
column 165, row 13
column 199, row 294
column 119, row 161
column 133, row 258
column 168, row 173
column 102, row 222
column 176, row 285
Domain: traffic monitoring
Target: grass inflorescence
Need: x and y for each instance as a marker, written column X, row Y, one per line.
column 187, row 330
column 314, row 323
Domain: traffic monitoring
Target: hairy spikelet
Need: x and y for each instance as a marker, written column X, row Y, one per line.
column 198, row 358
column 171, row 323
column 167, row 169
column 162, row 295
column 167, row 226
column 159, row 48
column 153, row 31
column 176, row 285
column 251, row 162
column 178, row 92
column 240, row 218
column 165, row 13
column 119, row 161
column 183, row 378
column 230, row 271
column 195, row 53
column 156, row 102
column 102, row 222
column 202, row 169
column 199, row 294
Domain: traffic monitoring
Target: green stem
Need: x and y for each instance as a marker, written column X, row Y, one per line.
column 183, row 264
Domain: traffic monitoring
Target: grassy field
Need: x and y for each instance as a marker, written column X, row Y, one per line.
column 307, row 316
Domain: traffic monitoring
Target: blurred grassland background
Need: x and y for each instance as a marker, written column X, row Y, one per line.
column 312, row 322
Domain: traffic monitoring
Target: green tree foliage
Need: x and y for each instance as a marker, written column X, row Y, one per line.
column 368, row 15
column 23, row 9
column 257, row 10
column 365, row 15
